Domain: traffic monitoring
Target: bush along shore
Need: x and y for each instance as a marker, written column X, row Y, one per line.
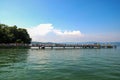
column 13, row 37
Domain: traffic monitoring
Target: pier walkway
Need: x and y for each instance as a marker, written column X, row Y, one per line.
column 84, row 46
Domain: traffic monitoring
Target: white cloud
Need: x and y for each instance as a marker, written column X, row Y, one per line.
column 41, row 29
column 47, row 33
column 67, row 33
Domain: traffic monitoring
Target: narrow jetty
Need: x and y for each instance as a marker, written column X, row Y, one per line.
column 83, row 46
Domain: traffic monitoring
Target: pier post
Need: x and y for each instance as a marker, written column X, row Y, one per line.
column 74, row 47
column 51, row 47
column 43, row 47
column 39, row 47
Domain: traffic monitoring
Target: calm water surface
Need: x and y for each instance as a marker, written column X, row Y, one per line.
column 60, row 64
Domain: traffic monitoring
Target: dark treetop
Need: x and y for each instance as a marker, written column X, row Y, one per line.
column 12, row 34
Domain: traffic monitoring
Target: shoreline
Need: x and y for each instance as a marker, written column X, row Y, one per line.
column 14, row 47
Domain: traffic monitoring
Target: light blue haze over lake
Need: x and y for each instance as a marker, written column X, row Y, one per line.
column 60, row 64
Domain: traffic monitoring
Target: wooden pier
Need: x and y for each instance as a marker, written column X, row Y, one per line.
column 81, row 46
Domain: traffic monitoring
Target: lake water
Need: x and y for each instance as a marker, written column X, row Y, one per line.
column 60, row 64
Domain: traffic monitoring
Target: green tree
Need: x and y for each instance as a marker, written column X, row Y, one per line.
column 12, row 34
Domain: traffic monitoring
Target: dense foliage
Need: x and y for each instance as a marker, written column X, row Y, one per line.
column 12, row 34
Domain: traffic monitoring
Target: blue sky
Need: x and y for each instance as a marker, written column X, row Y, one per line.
column 92, row 20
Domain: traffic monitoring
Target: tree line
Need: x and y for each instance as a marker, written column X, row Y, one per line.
column 12, row 34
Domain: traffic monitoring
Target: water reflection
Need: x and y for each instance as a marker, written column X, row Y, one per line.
column 50, row 59
column 62, row 64
column 9, row 57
